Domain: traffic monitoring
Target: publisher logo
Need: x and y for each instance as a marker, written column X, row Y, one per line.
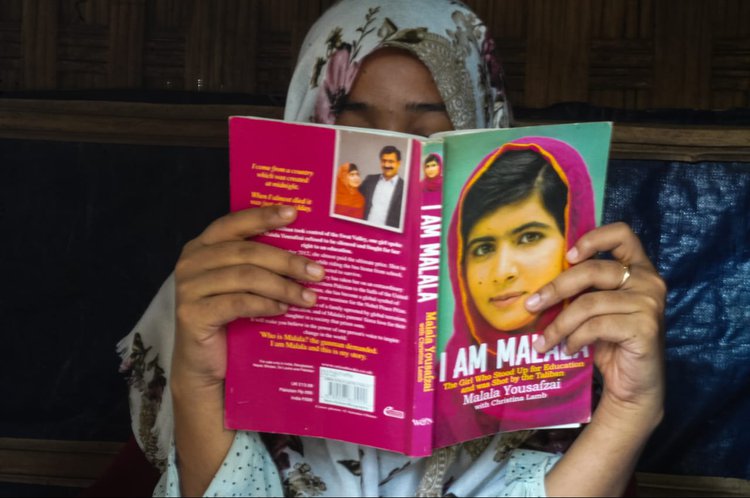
column 389, row 411
column 422, row 421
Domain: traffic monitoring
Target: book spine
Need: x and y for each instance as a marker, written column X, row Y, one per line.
column 425, row 313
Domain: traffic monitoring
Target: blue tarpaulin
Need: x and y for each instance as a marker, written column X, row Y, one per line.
column 694, row 221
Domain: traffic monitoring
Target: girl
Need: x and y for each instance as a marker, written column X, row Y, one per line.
column 417, row 66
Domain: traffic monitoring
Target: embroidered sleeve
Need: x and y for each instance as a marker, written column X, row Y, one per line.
column 247, row 470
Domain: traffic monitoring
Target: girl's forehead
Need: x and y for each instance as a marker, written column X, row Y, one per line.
column 506, row 218
column 390, row 75
column 395, row 91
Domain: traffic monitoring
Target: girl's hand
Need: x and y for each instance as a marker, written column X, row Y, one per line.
column 221, row 276
column 622, row 317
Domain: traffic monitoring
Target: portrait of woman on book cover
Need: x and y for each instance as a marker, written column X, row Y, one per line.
column 431, row 180
column 519, row 212
column 432, row 171
column 348, row 200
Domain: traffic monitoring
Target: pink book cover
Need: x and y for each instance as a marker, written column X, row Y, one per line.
column 359, row 366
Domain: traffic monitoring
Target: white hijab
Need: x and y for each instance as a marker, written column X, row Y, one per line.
column 445, row 35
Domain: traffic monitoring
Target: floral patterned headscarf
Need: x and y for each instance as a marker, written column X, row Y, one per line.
column 444, row 34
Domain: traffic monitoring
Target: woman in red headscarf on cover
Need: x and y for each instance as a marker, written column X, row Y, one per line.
column 349, row 201
column 433, row 173
column 521, row 210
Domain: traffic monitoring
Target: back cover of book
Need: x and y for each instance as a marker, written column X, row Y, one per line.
column 344, row 369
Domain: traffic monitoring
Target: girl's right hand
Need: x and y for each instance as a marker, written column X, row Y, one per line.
column 221, row 276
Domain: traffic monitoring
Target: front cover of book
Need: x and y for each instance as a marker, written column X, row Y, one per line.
column 515, row 201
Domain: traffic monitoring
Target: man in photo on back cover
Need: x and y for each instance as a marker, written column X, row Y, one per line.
column 384, row 193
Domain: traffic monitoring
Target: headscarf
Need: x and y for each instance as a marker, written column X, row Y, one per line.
column 434, row 184
column 471, row 328
column 349, row 202
column 458, row 51
column 444, row 34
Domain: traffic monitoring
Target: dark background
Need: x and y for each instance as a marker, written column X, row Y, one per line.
column 91, row 231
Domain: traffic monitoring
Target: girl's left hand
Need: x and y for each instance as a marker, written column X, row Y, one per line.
column 622, row 317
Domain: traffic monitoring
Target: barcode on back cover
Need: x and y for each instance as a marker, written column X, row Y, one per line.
column 347, row 389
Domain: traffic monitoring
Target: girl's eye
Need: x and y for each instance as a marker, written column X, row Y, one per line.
column 482, row 249
column 530, row 237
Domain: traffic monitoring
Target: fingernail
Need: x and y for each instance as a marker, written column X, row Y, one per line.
column 314, row 270
column 539, row 344
column 308, row 295
column 287, row 212
column 283, row 307
column 533, row 302
column 572, row 254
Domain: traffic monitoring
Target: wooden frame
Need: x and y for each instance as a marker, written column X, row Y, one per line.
column 47, row 462
column 674, row 485
column 79, row 463
column 625, row 54
column 206, row 126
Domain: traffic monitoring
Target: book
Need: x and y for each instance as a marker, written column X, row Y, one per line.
column 431, row 245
